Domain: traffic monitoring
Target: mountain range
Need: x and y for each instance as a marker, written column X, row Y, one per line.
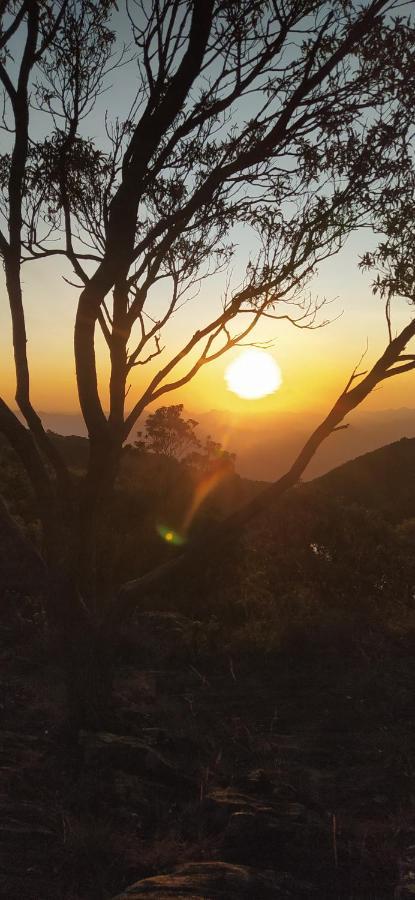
column 265, row 446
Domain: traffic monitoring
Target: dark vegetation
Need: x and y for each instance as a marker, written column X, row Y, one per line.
column 264, row 720
column 154, row 493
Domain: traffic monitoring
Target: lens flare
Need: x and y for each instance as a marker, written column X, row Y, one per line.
column 253, row 374
column 206, row 484
column 171, row 536
column 202, row 490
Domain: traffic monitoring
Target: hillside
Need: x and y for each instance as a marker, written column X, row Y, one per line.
column 261, row 731
column 153, row 492
column 340, row 532
column 383, row 480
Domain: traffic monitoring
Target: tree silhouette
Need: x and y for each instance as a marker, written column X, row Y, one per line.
column 167, row 433
column 210, row 457
column 285, row 121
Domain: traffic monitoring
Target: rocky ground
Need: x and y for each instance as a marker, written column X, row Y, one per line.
column 216, row 776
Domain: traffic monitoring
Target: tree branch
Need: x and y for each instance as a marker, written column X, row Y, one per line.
column 10, row 31
column 200, row 551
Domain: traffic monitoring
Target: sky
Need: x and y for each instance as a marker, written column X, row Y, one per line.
column 315, row 364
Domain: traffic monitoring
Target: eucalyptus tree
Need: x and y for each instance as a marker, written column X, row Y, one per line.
column 285, row 121
column 168, row 433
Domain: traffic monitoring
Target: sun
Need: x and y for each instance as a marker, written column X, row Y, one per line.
column 253, row 374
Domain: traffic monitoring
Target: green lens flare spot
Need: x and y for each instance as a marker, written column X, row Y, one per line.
column 170, row 536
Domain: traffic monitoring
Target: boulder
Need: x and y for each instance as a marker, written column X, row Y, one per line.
column 211, row 881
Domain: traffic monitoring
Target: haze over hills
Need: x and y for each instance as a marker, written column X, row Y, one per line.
column 265, row 447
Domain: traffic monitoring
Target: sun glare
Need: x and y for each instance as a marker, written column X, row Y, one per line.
column 253, row 374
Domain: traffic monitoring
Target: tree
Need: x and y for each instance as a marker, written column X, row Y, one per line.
column 286, row 120
column 211, row 457
column 167, row 433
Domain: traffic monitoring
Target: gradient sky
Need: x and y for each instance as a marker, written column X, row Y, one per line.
column 315, row 364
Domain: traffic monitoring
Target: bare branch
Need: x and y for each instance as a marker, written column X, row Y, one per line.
column 9, row 32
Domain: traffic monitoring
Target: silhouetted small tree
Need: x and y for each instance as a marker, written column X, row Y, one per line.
column 210, row 457
column 167, row 433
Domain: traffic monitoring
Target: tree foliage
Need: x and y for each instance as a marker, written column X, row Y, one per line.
column 211, row 457
column 167, row 433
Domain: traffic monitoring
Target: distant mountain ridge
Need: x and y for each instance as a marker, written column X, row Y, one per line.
column 383, row 479
column 266, row 445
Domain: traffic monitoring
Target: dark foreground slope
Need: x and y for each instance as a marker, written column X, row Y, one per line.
column 383, row 480
column 298, row 766
column 261, row 732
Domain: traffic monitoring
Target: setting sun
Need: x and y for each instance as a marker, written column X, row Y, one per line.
column 253, row 374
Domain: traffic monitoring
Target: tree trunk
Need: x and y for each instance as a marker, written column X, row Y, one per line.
column 89, row 672
column 83, row 589
column 85, row 653
column 94, row 563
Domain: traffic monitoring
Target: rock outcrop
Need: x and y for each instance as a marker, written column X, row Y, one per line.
column 211, row 881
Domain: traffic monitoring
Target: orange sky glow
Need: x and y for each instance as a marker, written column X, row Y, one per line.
column 315, row 364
